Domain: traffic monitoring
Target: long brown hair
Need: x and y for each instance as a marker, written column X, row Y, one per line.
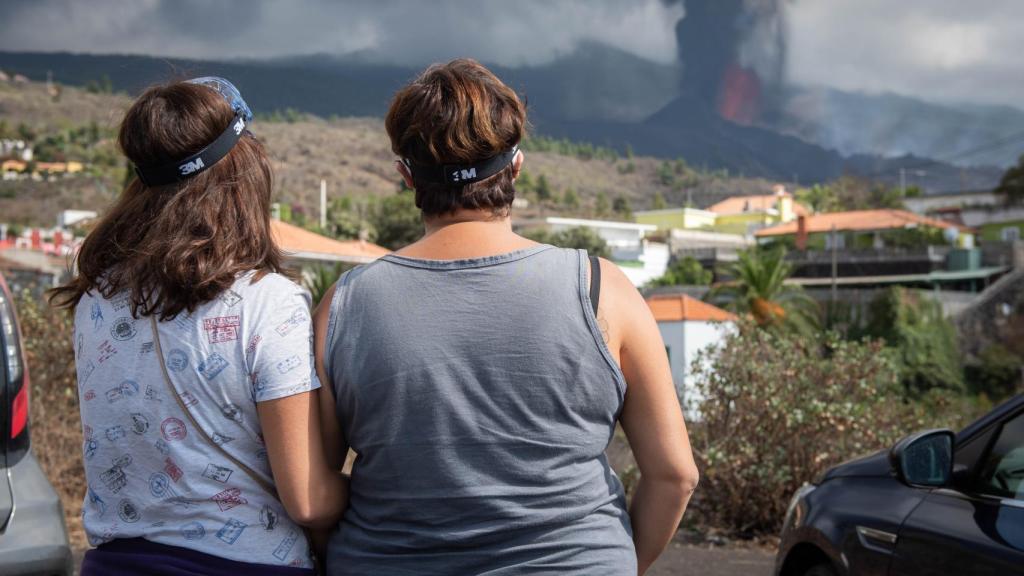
column 177, row 246
column 457, row 113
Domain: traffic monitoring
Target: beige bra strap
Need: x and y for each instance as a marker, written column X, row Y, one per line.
column 195, row 425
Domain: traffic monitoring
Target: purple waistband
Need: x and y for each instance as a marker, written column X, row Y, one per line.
column 138, row 556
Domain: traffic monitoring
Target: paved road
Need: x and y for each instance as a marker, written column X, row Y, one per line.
column 689, row 560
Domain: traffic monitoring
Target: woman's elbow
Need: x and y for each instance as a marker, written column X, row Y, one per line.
column 689, row 479
column 682, row 479
column 311, row 516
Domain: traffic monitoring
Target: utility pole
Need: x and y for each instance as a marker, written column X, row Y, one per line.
column 835, row 267
column 323, row 205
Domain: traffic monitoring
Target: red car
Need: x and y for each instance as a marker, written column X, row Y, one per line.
column 33, row 538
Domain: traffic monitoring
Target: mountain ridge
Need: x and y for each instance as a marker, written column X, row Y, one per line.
column 597, row 94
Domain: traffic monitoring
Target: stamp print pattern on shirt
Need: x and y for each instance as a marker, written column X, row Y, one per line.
column 149, row 473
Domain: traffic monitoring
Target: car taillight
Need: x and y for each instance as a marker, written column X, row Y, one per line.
column 19, row 412
column 17, row 375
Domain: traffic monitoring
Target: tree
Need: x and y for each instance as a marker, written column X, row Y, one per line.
column 397, row 220
column 622, row 207
column 684, row 272
column 1012, row 183
column 666, row 176
column 101, row 86
column 345, row 219
column 759, row 288
column 853, row 193
column 543, row 189
column 577, row 238
column 601, row 204
column 659, row 202
column 680, row 166
column 524, row 183
column 923, row 340
column 26, row 133
column 818, row 198
column 570, row 199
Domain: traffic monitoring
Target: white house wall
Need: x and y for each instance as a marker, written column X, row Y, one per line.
column 685, row 340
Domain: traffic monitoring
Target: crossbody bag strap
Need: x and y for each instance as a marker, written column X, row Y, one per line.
column 595, row 282
column 195, row 425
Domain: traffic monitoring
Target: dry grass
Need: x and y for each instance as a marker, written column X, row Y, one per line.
column 56, row 425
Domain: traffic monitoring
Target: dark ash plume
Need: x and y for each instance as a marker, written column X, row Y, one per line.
column 734, row 55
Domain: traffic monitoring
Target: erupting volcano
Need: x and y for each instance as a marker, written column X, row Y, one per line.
column 733, row 53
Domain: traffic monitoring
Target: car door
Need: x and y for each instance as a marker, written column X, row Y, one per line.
column 977, row 529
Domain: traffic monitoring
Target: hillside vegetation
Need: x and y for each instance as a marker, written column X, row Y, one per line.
column 352, row 154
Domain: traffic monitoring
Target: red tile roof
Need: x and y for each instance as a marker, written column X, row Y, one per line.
column 857, row 220
column 683, row 308
column 302, row 243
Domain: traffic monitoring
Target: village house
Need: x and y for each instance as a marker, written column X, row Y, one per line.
column 306, row 249
column 747, row 214
column 688, row 326
column 639, row 259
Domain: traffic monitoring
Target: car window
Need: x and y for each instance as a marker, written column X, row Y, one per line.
column 12, row 348
column 1003, row 471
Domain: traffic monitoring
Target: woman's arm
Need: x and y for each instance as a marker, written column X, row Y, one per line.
column 312, row 491
column 651, row 417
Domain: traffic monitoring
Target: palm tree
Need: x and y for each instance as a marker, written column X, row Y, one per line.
column 321, row 277
column 759, row 289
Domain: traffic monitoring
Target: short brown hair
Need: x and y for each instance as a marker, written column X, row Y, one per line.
column 457, row 113
column 177, row 246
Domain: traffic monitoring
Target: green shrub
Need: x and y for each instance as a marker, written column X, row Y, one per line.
column 396, row 220
column 924, row 341
column 777, row 410
column 321, row 277
column 684, row 272
column 578, row 238
column 996, row 374
column 53, row 404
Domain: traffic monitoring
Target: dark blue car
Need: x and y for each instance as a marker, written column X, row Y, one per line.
column 937, row 503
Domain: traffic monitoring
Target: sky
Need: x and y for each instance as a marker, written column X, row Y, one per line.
column 939, row 50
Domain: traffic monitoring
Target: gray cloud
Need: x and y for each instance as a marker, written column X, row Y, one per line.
column 945, row 50
column 403, row 31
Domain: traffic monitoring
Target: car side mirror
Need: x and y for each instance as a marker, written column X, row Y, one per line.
column 924, row 459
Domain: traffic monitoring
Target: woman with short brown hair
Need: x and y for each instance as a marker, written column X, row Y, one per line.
column 479, row 376
column 195, row 374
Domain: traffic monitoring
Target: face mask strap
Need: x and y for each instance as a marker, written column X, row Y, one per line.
column 200, row 161
column 459, row 175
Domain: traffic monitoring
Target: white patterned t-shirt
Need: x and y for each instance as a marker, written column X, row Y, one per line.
column 149, row 473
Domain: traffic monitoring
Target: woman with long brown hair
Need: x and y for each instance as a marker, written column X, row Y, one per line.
column 479, row 376
column 195, row 376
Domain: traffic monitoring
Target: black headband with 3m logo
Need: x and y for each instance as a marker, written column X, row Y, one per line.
column 460, row 174
column 196, row 163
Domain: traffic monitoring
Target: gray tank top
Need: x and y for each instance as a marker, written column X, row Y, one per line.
column 480, row 398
